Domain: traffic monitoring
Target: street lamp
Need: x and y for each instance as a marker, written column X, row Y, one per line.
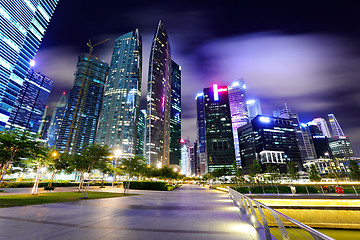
column 117, row 153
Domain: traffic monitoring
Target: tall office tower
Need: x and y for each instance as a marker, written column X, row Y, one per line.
column 201, row 133
column 335, row 126
column 141, row 133
column 321, row 142
column 323, row 126
column 185, row 157
column 305, row 145
column 239, row 114
column 121, row 104
column 56, row 120
column 30, row 105
column 340, row 147
column 254, row 108
column 157, row 148
column 175, row 118
column 22, row 27
column 44, row 125
column 219, row 137
column 271, row 141
column 78, row 128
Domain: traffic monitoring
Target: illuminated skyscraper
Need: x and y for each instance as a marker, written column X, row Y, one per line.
column 185, row 164
column 120, row 109
column 323, row 126
column 22, row 27
column 175, row 118
column 220, row 150
column 201, row 133
column 158, row 97
column 141, row 133
column 56, row 120
column 239, row 114
column 78, row 128
column 30, row 105
column 335, row 126
column 254, row 108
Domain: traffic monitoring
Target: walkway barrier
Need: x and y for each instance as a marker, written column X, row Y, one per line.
column 275, row 224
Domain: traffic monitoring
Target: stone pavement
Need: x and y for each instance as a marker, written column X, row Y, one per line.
column 190, row 212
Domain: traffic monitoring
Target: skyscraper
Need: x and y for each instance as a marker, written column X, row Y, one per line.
column 323, row 126
column 56, row 120
column 30, row 105
column 220, row 150
column 158, row 97
column 335, row 126
column 175, row 118
column 78, row 128
column 185, row 164
column 340, row 147
column 22, row 27
column 253, row 107
column 120, row 109
column 239, row 114
column 141, row 133
column 201, row 133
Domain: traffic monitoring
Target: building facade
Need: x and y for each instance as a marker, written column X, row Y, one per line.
column 253, row 107
column 140, row 140
column 30, row 105
column 22, row 27
column 78, row 128
column 239, row 113
column 201, row 133
column 340, row 147
column 121, row 104
column 175, row 112
column 335, row 126
column 157, row 148
column 56, row 120
column 321, row 123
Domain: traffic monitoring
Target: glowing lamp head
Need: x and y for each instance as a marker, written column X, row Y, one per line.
column 64, row 93
column 182, row 140
column 264, row 119
column 117, row 152
column 32, row 63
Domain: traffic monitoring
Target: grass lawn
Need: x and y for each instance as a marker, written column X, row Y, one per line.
column 43, row 198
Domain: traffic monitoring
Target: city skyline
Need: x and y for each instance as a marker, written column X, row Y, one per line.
column 309, row 63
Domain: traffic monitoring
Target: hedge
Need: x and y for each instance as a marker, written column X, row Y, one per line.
column 146, row 185
column 274, row 189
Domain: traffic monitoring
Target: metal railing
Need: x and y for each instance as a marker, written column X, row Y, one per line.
column 275, row 224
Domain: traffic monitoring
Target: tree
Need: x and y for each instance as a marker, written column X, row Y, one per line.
column 271, row 169
column 132, row 166
column 238, row 172
column 14, row 146
column 254, row 169
column 313, row 174
column 60, row 161
column 293, row 170
column 354, row 170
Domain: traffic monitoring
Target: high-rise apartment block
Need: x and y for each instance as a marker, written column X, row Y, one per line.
column 120, row 109
column 157, row 149
column 78, row 128
column 22, row 27
column 56, row 120
column 175, row 118
column 30, row 105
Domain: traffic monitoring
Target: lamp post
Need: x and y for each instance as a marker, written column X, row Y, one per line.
column 117, row 153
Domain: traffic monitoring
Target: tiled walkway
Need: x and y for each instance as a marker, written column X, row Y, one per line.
column 191, row 212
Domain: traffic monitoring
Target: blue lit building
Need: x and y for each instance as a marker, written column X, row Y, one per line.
column 22, row 26
column 29, row 107
column 157, row 148
column 141, row 133
column 78, row 128
column 121, row 104
column 253, row 107
column 201, row 133
column 56, row 121
column 175, row 118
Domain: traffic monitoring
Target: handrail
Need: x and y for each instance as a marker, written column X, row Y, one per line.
column 315, row 234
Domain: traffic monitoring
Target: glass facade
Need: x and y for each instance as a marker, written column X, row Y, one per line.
column 253, row 107
column 22, row 27
column 220, row 150
column 29, row 107
column 157, row 149
column 335, row 126
column 340, row 147
column 82, row 111
column 201, row 132
column 141, row 133
column 56, row 120
column 239, row 114
column 120, row 109
column 175, row 118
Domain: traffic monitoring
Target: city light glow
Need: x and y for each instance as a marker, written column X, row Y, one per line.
column 264, row 119
column 32, row 63
column 251, row 101
column 216, row 93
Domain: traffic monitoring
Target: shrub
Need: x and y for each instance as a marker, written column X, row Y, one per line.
column 49, row 188
column 161, row 186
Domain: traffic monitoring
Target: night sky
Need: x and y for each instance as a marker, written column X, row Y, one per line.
column 301, row 53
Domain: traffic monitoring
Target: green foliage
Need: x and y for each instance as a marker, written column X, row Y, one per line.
column 254, row 169
column 275, row 189
column 302, row 189
column 293, row 170
column 145, row 185
column 313, row 174
column 49, row 188
column 354, row 170
column 220, row 172
column 134, row 166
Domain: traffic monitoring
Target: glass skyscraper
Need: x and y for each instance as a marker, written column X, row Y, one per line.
column 120, row 109
column 239, row 114
column 201, row 133
column 22, row 26
column 175, row 118
column 141, row 133
column 335, row 126
column 78, row 127
column 253, row 107
column 56, row 120
column 29, row 107
column 158, row 97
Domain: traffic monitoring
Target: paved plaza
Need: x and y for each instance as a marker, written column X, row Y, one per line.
column 190, row 212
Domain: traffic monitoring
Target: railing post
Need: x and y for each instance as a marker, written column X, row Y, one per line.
column 282, row 229
column 355, row 190
column 253, row 217
column 264, row 222
column 246, row 206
